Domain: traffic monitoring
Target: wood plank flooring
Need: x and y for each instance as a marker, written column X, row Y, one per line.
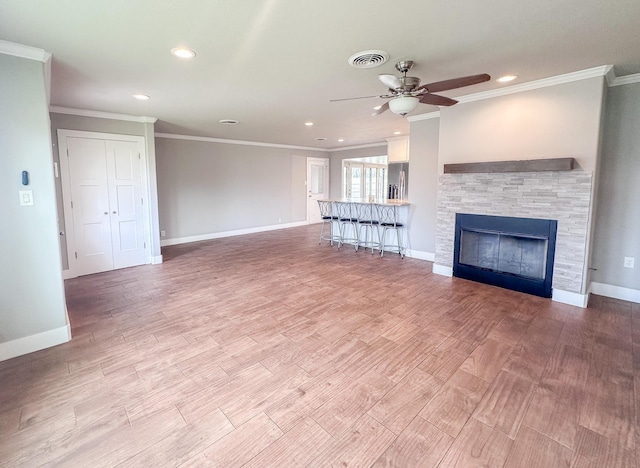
column 269, row 350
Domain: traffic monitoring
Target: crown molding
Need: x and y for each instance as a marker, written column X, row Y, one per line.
column 23, row 51
column 625, row 80
column 427, row 116
column 604, row 70
column 102, row 115
column 537, row 84
column 346, row 148
column 172, row 136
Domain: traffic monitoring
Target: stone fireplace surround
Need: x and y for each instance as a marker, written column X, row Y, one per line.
column 561, row 195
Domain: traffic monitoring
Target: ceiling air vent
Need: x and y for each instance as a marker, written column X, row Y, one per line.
column 368, row 59
column 228, row 122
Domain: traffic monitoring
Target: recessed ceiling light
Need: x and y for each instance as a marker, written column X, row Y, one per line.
column 228, row 121
column 142, row 97
column 506, row 78
column 340, row 140
column 397, row 133
column 183, row 52
column 377, row 108
column 308, row 124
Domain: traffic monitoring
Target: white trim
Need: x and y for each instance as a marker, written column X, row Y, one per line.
column 537, row 84
column 236, row 142
column 32, row 343
column 23, row 51
column 68, row 274
column 346, row 148
column 157, row 260
column 238, row 232
column 442, row 270
column 421, row 255
column 616, row 292
column 571, row 298
column 102, row 115
column 427, row 116
column 625, row 80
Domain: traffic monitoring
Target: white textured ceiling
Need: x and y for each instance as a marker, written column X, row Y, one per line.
column 274, row 64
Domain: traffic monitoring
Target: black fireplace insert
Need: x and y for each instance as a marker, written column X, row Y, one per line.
column 513, row 253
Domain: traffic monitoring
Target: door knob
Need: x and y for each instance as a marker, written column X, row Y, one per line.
column 114, row 212
column 106, row 212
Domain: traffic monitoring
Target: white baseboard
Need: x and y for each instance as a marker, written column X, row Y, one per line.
column 32, row 343
column 157, row 260
column 442, row 270
column 239, row 232
column 615, row 292
column 66, row 274
column 571, row 298
column 428, row 256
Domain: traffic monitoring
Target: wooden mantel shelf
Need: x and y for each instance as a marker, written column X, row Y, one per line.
column 529, row 165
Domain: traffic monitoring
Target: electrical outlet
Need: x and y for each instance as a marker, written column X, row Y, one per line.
column 163, row 233
column 629, row 262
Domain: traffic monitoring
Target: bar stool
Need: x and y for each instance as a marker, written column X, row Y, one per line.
column 328, row 216
column 388, row 217
column 367, row 215
column 347, row 217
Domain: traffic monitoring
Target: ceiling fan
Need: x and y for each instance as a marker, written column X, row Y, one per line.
column 405, row 92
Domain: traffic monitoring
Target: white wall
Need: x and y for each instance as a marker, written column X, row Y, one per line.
column 32, row 301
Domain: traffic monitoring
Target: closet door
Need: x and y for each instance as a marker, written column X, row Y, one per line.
column 106, row 204
column 90, row 205
column 125, row 201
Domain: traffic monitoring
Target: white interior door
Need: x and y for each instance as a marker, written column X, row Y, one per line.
column 127, row 232
column 103, row 203
column 317, row 187
column 90, row 205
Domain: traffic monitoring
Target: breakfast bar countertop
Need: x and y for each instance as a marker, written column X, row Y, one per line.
column 378, row 201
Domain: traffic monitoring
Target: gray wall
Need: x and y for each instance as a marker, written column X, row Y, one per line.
column 617, row 231
column 121, row 127
column 423, row 146
column 335, row 166
column 557, row 121
column 31, row 288
column 208, row 187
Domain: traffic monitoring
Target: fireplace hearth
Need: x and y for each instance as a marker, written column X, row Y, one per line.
column 514, row 253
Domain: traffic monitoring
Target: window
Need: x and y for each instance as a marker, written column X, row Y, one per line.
column 362, row 179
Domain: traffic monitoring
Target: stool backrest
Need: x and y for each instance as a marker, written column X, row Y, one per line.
column 388, row 214
column 326, row 208
column 344, row 210
column 366, row 212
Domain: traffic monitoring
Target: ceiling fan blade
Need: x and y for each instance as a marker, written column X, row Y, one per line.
column 454, row 83
column 352, row 98
column 383, row 108
column 390, row 81
column 436, row 100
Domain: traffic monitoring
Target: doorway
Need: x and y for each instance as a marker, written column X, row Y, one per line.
column 317, row 187
column 105, row 201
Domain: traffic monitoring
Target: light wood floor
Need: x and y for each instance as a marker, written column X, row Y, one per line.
column 270, row 350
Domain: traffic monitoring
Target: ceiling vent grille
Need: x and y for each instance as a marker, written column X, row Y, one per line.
column 368, row 59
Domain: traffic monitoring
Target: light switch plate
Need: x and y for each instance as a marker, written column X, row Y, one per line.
column 629, row 262
column 26, row 198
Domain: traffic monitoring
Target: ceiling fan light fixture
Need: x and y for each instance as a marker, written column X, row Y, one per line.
column 403, row 105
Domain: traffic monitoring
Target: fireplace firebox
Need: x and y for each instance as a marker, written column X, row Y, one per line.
column 513, row 253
